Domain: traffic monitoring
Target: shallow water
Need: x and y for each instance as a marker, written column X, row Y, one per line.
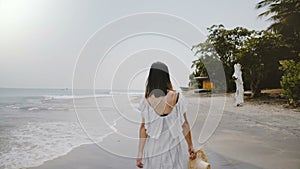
column 37, row 125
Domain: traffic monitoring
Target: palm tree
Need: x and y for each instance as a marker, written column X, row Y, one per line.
column 284, row 13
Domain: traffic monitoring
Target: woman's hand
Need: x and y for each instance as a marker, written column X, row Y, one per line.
column 193, row 154
column 139, row 163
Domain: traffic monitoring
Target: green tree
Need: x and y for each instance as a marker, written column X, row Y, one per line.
column 223, row 44
column 205, row 51
column 205, row 65
column 285, row 15
column 260, row 59
column 227, row 42
column 259, row 53
column 291, row 81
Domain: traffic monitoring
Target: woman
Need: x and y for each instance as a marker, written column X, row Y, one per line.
column 164, row 124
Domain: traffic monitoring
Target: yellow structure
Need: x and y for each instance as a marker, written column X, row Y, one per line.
column 207, row 84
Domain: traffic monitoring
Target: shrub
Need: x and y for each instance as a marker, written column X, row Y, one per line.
column 290, row 80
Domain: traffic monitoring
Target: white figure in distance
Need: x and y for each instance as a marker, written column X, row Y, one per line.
column 237, row 76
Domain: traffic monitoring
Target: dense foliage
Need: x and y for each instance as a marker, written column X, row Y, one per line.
column 222, row 44
column 257, row 51
column 260, row 53
column 285, row 15
column 291, row 80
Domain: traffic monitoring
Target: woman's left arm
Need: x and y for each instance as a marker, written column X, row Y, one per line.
column 188, row 137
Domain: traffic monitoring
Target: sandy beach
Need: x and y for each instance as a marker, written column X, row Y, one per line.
column 253, row 136
column 75, row 76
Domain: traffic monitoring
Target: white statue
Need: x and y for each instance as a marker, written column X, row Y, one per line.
column 237, row 76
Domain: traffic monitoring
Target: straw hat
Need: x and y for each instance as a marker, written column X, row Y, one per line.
column 200, row 162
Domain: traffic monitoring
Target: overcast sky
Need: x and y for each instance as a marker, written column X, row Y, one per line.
column 41, row 39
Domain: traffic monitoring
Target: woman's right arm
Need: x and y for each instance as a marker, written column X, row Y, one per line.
column 143, row 137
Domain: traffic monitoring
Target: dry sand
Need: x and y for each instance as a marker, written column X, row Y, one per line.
column 253, row 136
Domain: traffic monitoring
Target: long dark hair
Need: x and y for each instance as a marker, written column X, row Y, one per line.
column 158, row 82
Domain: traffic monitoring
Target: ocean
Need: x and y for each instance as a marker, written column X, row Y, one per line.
column 37, row 125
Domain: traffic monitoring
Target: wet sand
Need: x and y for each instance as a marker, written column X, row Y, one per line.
column 253, row 136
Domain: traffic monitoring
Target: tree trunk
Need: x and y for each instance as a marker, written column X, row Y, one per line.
column 255, row 88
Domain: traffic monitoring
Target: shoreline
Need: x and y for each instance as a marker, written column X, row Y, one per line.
column 91, row 157
column 253, row 136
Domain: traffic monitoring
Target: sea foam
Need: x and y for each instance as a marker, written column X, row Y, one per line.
column 34, row 143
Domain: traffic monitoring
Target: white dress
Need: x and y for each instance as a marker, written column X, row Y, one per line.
column 165, row 147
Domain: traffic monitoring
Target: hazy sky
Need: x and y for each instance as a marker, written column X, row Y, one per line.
column 41, row 39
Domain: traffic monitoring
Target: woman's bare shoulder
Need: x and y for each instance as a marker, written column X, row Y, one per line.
column 172, row 92
column 172, row 95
